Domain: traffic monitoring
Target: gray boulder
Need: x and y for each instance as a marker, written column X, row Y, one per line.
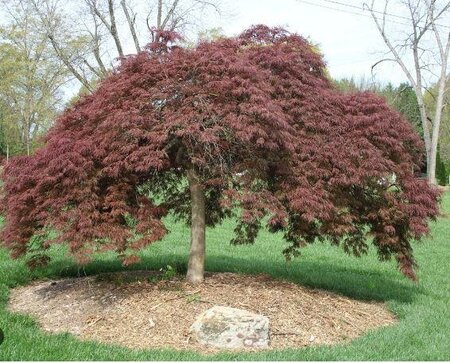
column 225, row 327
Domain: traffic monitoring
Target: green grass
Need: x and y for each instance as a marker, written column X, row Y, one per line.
column 423, row 331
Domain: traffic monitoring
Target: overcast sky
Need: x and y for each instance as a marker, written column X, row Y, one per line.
column 346, row 35
column 349, row 42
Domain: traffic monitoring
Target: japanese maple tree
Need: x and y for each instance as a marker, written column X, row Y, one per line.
column 247, row 127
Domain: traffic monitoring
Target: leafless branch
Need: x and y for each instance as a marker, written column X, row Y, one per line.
column 423, row 16
column 110, row 25
column 131, row 24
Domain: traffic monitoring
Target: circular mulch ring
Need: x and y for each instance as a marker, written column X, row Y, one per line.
column 137, row 309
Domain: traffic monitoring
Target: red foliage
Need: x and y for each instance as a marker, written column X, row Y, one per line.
column 266, row 130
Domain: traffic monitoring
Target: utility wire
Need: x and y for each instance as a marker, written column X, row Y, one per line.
column 345, row 11
column 376, row 11
column 359, row 13
column 360, row 8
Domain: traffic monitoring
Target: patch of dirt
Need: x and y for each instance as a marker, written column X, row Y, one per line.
column 139, row 310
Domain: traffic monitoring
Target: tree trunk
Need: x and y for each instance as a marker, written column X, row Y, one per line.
column 113, row 28
column 435, row 138
column 196, row 266
column 439, row 105
column 432, row 165
column 159, row 16
column 131, row 25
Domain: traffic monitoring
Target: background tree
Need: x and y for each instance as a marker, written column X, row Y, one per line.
column 44, row 42
column 88, row 36
column 31, row 81
column 443, row 153
column 403, row 99
column 444, row 137
column 10, row 143
column 249, row 127
column 428, row 44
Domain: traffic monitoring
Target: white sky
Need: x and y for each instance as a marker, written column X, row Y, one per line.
column 345, row 33
column 350, row 43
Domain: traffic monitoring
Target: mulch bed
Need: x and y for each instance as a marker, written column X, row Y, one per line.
column 140, row 310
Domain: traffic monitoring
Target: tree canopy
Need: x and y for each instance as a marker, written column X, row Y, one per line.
column 402, row 98
column 248, row 127
column 31, row 81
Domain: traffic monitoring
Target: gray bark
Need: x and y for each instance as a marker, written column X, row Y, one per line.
column 131, row 25
column 69, row 65
column 444, row 53
column 113, row 28
column 196, row 265
column 159, row 16
column 431, row 137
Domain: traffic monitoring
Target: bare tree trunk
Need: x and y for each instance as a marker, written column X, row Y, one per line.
column 418, row 32
column 27, row 135
column 435, row 138
column 131, row 25
column 96, row 45
column 113, row 28
column 435, row 134
column 418, row 87
column 159, row 15
column 169, row 14
column 196, row 265
column 444, row 53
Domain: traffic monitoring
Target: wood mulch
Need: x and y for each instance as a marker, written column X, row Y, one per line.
column 139, row 310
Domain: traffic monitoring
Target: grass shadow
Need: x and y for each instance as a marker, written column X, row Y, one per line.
column 358, row 283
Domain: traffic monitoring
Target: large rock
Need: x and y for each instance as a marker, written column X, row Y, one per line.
column 225, row 327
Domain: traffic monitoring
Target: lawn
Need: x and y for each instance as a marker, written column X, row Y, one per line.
column 423, row 309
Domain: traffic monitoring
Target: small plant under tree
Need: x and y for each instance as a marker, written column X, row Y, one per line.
column 248, row 127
